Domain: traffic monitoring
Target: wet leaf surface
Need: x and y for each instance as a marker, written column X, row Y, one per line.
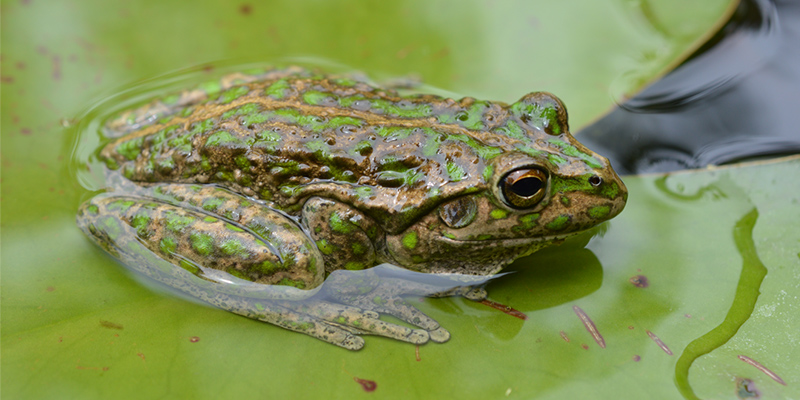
column 75, row 324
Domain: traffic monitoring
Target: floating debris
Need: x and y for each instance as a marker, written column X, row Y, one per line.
column 589, row 324
column 110, row 325
column 659, row 342
column 763, row 369
column 746, row 389
column 504, row 308
column 639, row 281
column 368, row 385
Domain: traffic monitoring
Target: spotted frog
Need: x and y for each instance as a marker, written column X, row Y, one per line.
column 249, row 192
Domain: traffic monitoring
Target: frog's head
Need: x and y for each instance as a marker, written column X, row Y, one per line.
column 543, row 187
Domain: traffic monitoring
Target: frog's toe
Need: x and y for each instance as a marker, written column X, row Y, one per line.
column 419, row 336
column 352, row 342
column 474, row 293
column 439, row 335
column 403, row 310
column 289, row 318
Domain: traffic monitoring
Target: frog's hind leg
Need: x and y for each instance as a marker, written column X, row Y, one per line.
column 232, row 253
column 154, row 238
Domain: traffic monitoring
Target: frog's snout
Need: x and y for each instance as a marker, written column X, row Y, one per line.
column 610, row 186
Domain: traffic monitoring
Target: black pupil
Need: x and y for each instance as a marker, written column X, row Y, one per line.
column 527, row 187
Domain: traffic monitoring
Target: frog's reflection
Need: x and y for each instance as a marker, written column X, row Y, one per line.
column 544, row 280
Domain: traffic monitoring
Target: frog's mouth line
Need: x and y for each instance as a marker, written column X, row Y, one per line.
column 507, row 241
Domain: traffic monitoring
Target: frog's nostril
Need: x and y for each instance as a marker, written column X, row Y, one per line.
column 595, row 181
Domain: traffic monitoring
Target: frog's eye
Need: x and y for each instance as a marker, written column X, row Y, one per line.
column 524, row 188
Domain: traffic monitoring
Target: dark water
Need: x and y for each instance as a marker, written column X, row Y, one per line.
column 736, row 98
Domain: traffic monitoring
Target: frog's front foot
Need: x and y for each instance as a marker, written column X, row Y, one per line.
column 334, row 323
column 381, row 291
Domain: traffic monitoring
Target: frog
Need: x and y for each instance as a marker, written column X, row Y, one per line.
column 251, row 191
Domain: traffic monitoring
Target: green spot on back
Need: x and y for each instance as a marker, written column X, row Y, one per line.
column 278, row 89
column 484, row 152
column 455, row 171
column 130, row 149
column 233, row 94
column 472, row 118
column 344, row 82
column 363, row 192
column 394, row 132
column 314, row 98
column 487, row 173
column 339, row 121
column 512, row 130
column 269, row 136
column 537, row 116
column 363, row 148
column 556, row 159
column 533, row 152
column 573, row 151
column 410, row 240
column 253, row 119
column 431, row 146
column 410, row 110
column 223, row 137
column 203, row 126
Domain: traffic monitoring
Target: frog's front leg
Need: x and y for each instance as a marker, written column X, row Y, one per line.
column 232, row 253
column 347, row 239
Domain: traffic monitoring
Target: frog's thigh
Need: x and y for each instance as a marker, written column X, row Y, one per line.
column 344, row 235
column 195, row 240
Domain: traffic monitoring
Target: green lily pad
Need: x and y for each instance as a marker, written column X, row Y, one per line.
column 75, row 324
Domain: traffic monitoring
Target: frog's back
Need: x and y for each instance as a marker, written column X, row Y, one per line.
column 282, row 140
